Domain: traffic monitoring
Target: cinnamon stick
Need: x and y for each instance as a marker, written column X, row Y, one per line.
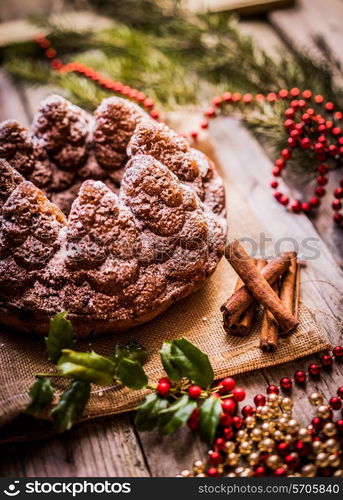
column 258, row 286
column 288, row 284
column 235, row 306
column 269, row 329
column 243, row 325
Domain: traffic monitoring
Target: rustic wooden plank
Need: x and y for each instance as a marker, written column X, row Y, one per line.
column 298, row 25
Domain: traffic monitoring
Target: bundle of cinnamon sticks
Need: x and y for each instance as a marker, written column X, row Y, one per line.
column 274, row 285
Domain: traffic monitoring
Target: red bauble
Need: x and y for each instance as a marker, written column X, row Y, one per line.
column 339, row 425
column 326, row 360
column 340, row 392
column 237, row 422
column 194, row 391
column 229, row 406
column 338, row 193
column 302, row 448
column 273, row 389
column 320, row 191
column 300, row 377
column 335, row 403
column 336, row 204
column 228, row 384
column 317, row 423
column 163, row 389
column 276, row 172
column 305, row 143
column 280, row 162
column 280, row 472
column 212, row 472
column 248, row 410
column 215, row 458
column 220, row 444
column 338, row 352
column 260, row 471
column 296, row 207
column 322, row 180
column 314, row 369
column 259, row 400
column 228, row 433
column 284, row 200
column 286, row 154
column 337, row 218
column 238, row 394
column 286, row 383
column 306, row 207
column 165, row 380
column 225, row 420
column 315, row 202
column 274, row 184
column 283, row 449
column 292, row 461
column 277, row 195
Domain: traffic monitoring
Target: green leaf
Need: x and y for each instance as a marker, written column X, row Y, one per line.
column 172, row 370
column 209, row 415
column 131, row 350
column 41, row 394
column 148, row 412
column 71, row 405
column 131, row 374
column 191, row 362
column 176, row 415
column 87, row 366
column 61, row 336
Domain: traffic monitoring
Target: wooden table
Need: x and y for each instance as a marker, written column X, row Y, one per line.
column 112, row 446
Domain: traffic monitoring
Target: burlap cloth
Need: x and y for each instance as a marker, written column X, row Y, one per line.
column 197, row 318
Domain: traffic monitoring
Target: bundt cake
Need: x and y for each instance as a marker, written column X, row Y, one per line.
column 110, row 217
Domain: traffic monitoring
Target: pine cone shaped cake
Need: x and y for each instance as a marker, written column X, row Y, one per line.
column 111, row 217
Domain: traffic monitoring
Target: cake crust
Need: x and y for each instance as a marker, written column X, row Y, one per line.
column 112, row 217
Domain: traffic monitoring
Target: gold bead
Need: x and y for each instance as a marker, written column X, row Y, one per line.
column 239, row 470
column 324, row 411
column 250, row 422
column 338, row 473
column 258, row 411
column 286, row 404
column 245, row 447
column 293, row 426
column 186, row 473
column 317, row 446
column 331, row 445
column 198, row 466
column 232, row 459
column 220, row 468
column 273, row 400
column 278, row 435
column 268, row 428
column 266, row 444
column 334, row 460
column 256, row 434
column 230, row 446
column 322, row 459
column 329, row 429
column 266, row 412
column 241, row 435
column 254, row 458
column 282, row 423
column 304, row 435
column 309, row 470
column 201, row 475
column 232, row 474
column 316, row 399
column 288, row 438
column 247, row 472
column 273, row 461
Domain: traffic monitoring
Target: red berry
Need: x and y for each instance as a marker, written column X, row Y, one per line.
column 286, row 153
column 217, row 101
column 280, row 472
column 289, row 123
column 294, row 133
column 210, row 112
column 307, row 94
column 337, row 218
column 305, row 143
column 283, row 93
column 292, row 461
column 294, row 92
column 259, row 400
column 280, row 162
column 302, row 448
column 291, row 142
column 338, row 193
column 237, row 422
column 229, row 406
column 194, row 134
column 273, row 389
column 283, row 448
column 319, row 98
column 277, row 195
column 339, row 425
column 338, row 352
column 215, row 458
column 225, row 420
column 220, row 444
column 227, row 97
column 163, row 389
column 194, row 391
column 276, row 172
column 300, row 377
column 320, row 191
column 274, row 184
column 296, row 206
column 326, row 360
column 284, row 200
column 340, row 392
column 336, row 204
column 227, row 385
column 306, row 207
column 193, row 420
column 260, row 471
column 332, row 150
column 204, row 124
column 238, row 394
column 50, row 53
column 335, row 403
column 315, row 202
column 271, row 97
column 336, row 131
column 212, row 472
column 322, row 169
column 314, row 369
column 165, row 380
column 286, row 383
column 329, row 106
column 247, row 98
column 227, row 433
column 154, row 114
column 317, row 423
column 248, row 410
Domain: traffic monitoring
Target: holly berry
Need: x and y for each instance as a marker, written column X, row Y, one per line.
column 215, row 458
column 260, row 471
column 163, row 389
column 193, row 420
column 248, row 410
column 212, row 472
column 326, row 360
column 335, row 403
column 314, row 369
column 227, row 385
column 338, row 352
column 291, row 460
column 339, row 425
column 219, row 444
column 165, row 380
column 283, row 448
column 280, row 472
column 340, row 392
column 259, row 400
column 336, row 204
column 225, row 420
column 194, row 391
column 227, row 433
column 237, row 422
column 229, row 406
column 317, row 423
column 338, row 193
column 300, row 377
column 286, row 383
column 238, row 394
column 273, row 389
column 296, row 207
column 320, row 191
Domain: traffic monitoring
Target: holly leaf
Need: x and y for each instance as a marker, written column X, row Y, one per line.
column 71, row 405
column 131, row 374
column 209, row 415
column 175, row 415
column 131, row 350
column 41, row 394
column 171, row 369
column 61, row 336
column 191, row 362
column 148, row 412
column 87, row 366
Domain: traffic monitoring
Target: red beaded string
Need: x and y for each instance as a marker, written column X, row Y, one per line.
column 307, row 129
